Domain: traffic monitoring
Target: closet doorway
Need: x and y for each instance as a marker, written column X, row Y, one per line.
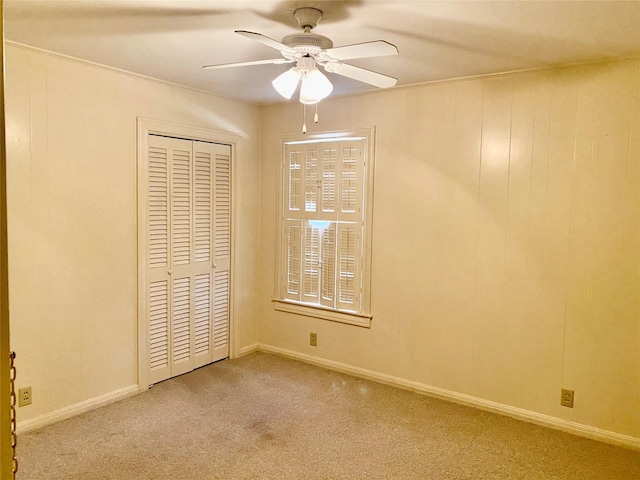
column 184, row 236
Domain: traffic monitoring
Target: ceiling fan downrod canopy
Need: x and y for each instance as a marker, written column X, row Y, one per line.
column 307, row 18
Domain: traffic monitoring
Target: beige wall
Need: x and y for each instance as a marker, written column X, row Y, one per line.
column 71, row 141
column 506, row 233
column 506, row 240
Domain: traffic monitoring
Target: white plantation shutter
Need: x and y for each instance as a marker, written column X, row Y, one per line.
column 310, row 263
column 188, row 210
column 329, row 177
column 348, row 267
column 328, row 261
column 291, row 256
column 351, row 181
column 311, row 167
column 323, row 223
column 294, row 184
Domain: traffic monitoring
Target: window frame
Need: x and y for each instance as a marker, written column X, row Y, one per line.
column 363, row 316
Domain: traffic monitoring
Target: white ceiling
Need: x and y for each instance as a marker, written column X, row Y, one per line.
column 437, row 40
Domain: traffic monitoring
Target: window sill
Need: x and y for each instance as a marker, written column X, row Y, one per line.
column 324, row 313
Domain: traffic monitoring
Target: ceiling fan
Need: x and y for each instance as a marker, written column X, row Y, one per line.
column 308, row 51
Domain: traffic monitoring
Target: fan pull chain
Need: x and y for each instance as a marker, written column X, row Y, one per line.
column 304, row 117
column 315, row 117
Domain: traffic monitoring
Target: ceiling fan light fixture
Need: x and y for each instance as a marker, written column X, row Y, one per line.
column 315, row 87
column 287, row 82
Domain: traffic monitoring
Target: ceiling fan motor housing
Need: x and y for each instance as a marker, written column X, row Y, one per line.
column 307, row 42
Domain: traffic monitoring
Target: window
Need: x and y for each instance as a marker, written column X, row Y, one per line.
column 324, row 258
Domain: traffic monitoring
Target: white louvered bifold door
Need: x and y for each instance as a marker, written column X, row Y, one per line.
column 157, row 288
column 184, row 292
column 221, row 164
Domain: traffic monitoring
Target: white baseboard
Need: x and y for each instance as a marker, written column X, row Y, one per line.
column 246, row 350
column 76, row 409
column 519, row 413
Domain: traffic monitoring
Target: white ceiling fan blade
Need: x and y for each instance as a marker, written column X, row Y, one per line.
column 266, row 41
column 275, row 61
column 361, row 74
column 379, row 48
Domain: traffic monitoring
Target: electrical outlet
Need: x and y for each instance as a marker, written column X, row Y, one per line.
column 24, row 397
column 313, row 339
column 566, row 400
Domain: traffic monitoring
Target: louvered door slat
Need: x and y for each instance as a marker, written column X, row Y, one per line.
column 158, row 325
column 202, row 322
column 222, row 199
column 180, row 321
column 158, row 207
column 181, row 207
column 203, row 206
column 221, row 310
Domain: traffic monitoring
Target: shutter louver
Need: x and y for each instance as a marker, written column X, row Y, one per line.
column 327, row 294
column 158, row 325
column 202, row 315
column 181, row 207
column 311, row 263
column 293, row 235
column 294, row 193
column 349, row 180
column 329, row 164
column 158, row 228
column 222, row 199
column 348, row 283
column 181, row 320
column 203, row 206
column 311, row 180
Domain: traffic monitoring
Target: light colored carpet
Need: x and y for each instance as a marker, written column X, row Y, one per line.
column 267, row 417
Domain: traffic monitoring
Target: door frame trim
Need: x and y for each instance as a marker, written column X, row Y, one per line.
column 146, row 127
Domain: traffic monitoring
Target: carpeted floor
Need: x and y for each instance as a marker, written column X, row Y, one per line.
column 267, row 417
